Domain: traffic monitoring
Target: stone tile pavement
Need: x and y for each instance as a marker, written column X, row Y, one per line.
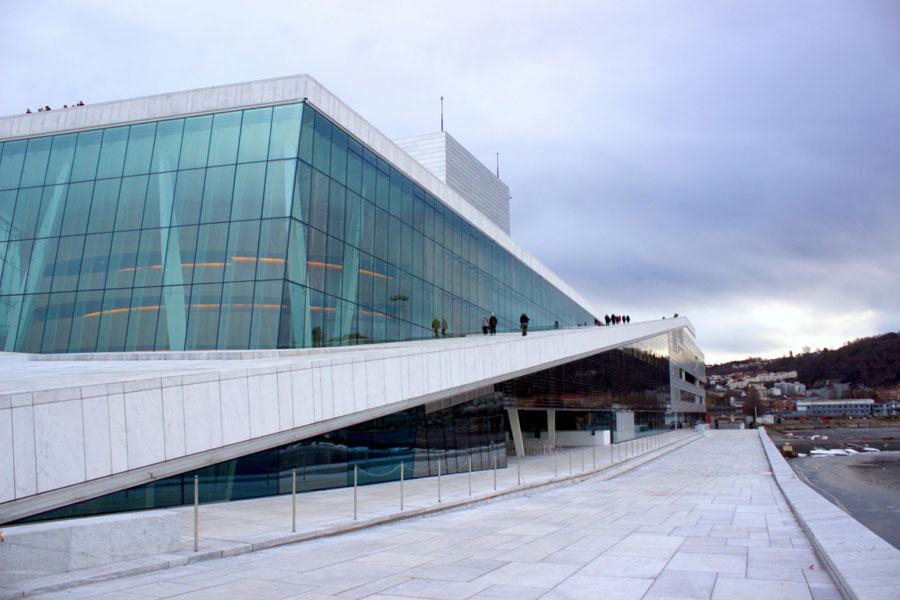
column 703, row 521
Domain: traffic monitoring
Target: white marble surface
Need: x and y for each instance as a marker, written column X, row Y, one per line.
column 95, row 424
column 7, row 466
column 41, row 549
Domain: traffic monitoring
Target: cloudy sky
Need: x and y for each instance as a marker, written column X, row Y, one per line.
column 735, row 162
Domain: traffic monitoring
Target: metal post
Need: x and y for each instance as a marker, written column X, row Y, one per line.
column 593, row 455
column 570, row 463
column 470, row 475
column 355, row 480
column 518, row 470
column 582, row 459
column 555, row 455
column 294, row 500
column 495, row 473
column 401, row 485
column 196, row 515
column 439, row 481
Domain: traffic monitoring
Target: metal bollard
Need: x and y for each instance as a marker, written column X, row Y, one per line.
column 196, row 515
column 401, row 485
column 294, row 500
column 555, row 455
column 593, row 455
column 518, row 470
column 582, row 459
column 439, row 481
column 470, row 475
column 355, row 472
column 495, row 473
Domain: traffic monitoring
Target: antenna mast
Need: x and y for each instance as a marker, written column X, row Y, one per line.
column 498, row 165
column 442, row 114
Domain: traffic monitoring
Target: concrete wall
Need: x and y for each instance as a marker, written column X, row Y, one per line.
column 83, row 428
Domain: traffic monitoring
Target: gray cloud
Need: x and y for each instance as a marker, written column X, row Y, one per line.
column 734, row 162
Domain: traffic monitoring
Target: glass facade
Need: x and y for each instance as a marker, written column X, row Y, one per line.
column 260, row 228
column 587, row 392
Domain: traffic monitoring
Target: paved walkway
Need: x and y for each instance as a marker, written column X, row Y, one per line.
column 703, row 521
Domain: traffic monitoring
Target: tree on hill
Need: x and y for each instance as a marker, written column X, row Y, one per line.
column 753, row 405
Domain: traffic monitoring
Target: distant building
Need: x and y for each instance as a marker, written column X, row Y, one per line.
column 835, row 408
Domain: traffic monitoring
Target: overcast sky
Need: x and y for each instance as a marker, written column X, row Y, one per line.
column 734, row 162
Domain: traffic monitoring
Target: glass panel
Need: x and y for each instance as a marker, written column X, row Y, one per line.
column 188, row 197
column 172, row 323
column 210, row 263
column 243, row 243
column 272, row 245
column 52, row 206
column 11, row 164
column 316, row 260
column 339, row 156
column 318, row 207
column 60, row 166
column 122, row 258
column 322, row 147
column 103, row 205
column 307, row 134
column 336, row 210
column 140, row 149
column 291, row 331
column 36, row 162
column 223, row 145
column 180, row 255
column 78, row 208
column 142, row 319
column 167, row 147
column 160, row 195
column 149, row 266
column 234, row 318
column 40, row 271
column 279, row 188
column 112, row 152
column 297, row 256
column 34, row 317
column 15, row 268
column 248, row 191
column 195, row 146
column 203, row 318
column 334, row 266
column 285, row 132
column 114, row 320
column 68, row 264
column 94, row 264
column 131, row 203
column 255, row 135
column 87, row 153
column 7, row 208
column 303, row 182
column 217, row 194
column 352, row 220
column 266, row 311
column 24, row 222
column 85, row 321
column 354, row 172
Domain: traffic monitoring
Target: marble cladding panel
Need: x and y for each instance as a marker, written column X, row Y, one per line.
column 7, row 468
column 342, row 389
column 285, row 401
column 415, row 376
column 360, row 386
column 302, row 390
column 43, row 549
column 326, row 393
column 144, row 427
column 316, row 393
column 375, row 377
column 432, row 375
column 23, row 451
column 59, row 444
column 235, row 410
column 202, row 417
column 392, row 376
column 97, row 461
column 264, row 404
column 173, row 421
column 118, row 442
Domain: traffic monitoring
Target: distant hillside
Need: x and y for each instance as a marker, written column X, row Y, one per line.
column 872, row 362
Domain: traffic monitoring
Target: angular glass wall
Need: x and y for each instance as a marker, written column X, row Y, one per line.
column 261, row 228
